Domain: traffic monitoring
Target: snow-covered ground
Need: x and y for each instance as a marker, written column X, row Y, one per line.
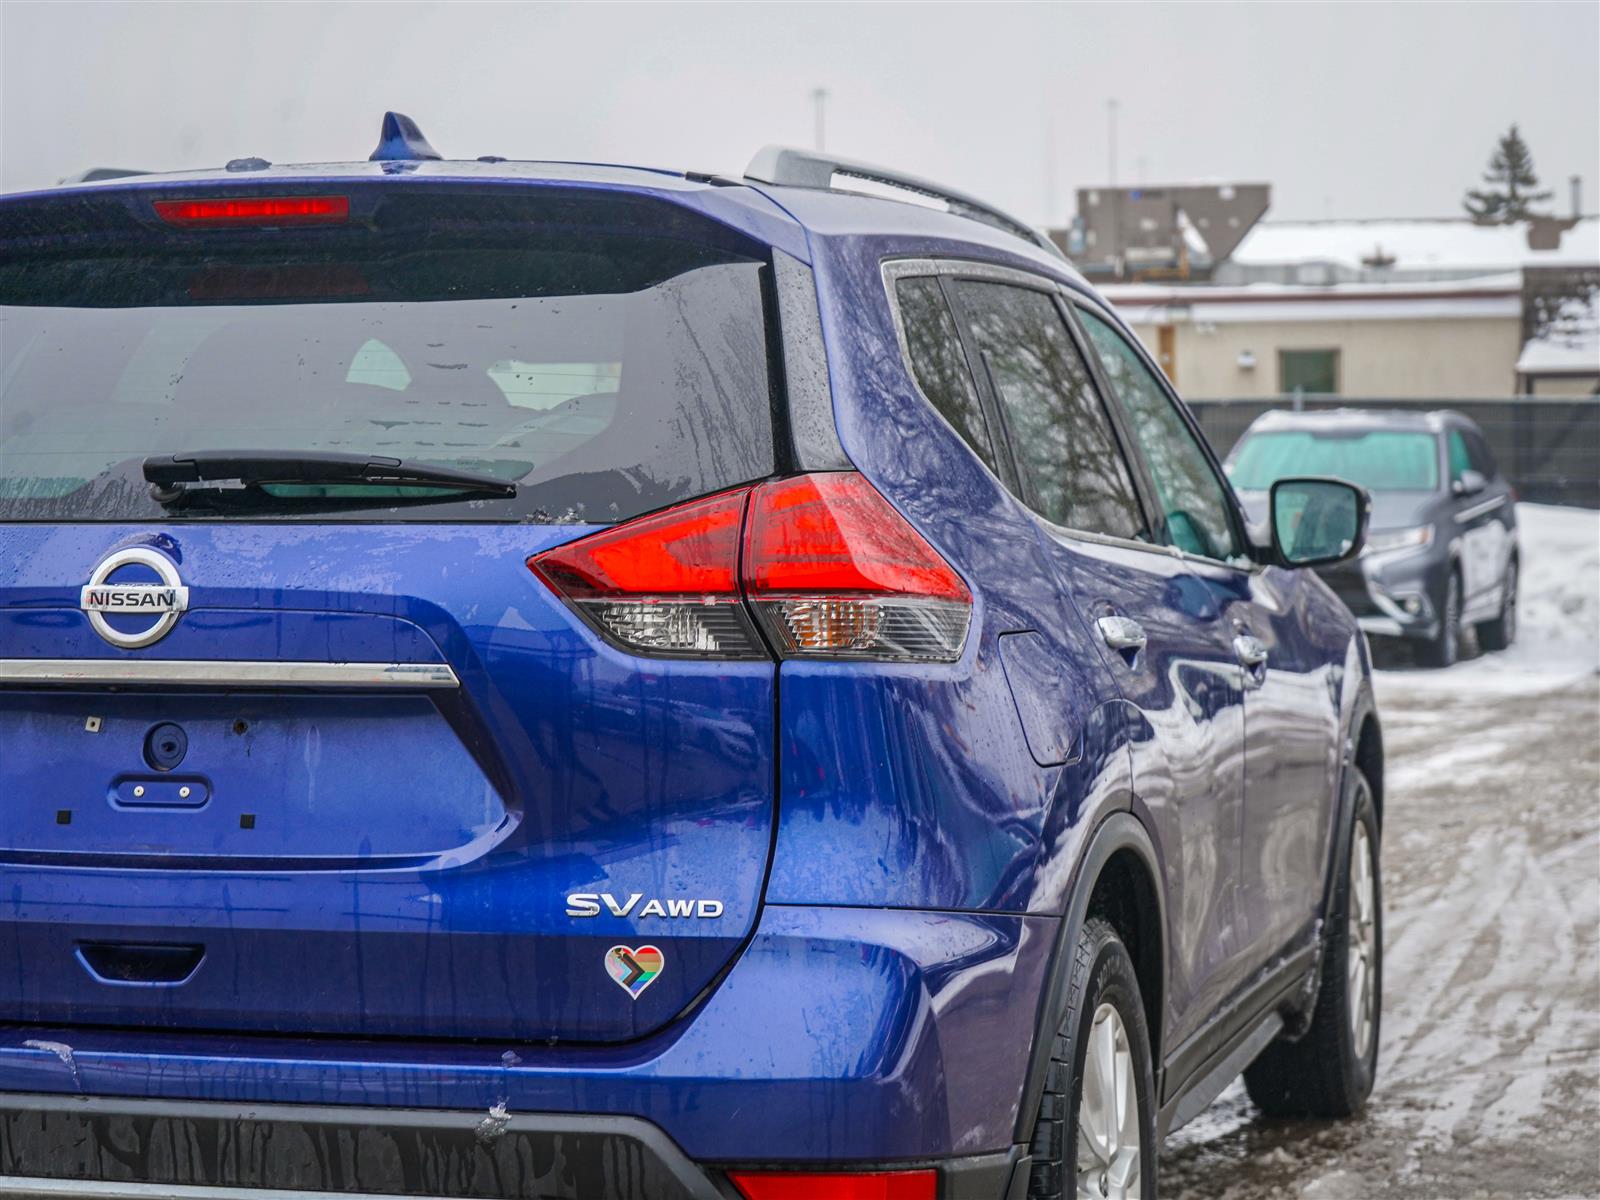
column 1559, row 621
column 1489, row 1060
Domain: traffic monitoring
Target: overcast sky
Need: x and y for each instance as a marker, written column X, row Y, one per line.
column 1347, row 110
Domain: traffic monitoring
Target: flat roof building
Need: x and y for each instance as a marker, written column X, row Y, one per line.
column 1427, row 308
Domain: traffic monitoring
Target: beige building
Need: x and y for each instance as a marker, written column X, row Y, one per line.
column 1444, row 339
column 1378, row 309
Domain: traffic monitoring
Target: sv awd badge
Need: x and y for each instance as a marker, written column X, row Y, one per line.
column 634, row 969
column 587, row 904
column 128, row 611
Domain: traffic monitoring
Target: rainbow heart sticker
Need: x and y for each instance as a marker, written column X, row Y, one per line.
column 634, row 969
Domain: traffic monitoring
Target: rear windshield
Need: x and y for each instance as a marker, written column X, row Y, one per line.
column 606, row 373
column 1381, row 461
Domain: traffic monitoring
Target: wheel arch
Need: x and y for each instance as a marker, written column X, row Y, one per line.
column 1118, row 879
column 1367, row 754
column 1361, row 748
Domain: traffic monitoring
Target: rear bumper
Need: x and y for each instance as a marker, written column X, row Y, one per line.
column 116, row 1149
column 841, row 1036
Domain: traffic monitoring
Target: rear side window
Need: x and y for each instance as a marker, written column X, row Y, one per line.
column 1460, row 462
column 1193, row 498
column 939, row 363
column 1064, row 445
column 1481, row 457
column 605, row 373
column 1469, row 452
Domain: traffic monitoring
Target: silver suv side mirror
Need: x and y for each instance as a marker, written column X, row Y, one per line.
column 1469, row 483
column 1316, row 522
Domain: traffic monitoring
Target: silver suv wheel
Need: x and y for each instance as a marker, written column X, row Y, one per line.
column 1108, row 1113
column 1363, row 941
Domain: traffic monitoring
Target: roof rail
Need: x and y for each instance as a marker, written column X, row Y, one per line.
column 95, row 174
column 787, row 166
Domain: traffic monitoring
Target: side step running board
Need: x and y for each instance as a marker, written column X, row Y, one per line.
column 1197, row 1097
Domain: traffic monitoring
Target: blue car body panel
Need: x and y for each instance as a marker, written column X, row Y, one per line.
column 895, row 847
column 927, row 1019
column 429, row 899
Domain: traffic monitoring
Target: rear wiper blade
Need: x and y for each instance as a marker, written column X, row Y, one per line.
column 170, row 474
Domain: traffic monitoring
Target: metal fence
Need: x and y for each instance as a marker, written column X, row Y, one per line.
column 1548, row 447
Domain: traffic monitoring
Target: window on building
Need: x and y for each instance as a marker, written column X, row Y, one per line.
column 1310, row 371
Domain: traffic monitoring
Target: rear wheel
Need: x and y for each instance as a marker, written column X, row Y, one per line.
column 1445, row 647
column 1329, row 1071
column 1095, row 1136
column 1499, row 633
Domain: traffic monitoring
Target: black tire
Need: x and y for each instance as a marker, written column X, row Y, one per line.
column 1327, row 1073
column 1101, row 973
column 1445, row 647
column 1499, row 633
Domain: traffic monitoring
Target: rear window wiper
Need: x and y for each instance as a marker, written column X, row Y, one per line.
column 174, row 476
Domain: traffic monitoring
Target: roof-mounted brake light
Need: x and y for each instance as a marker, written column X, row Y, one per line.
column 255, row 210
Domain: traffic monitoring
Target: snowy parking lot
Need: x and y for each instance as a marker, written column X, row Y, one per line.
column 1489, row 1068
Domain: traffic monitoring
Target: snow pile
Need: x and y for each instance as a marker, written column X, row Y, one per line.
column 1558, row 620
column 1451, row 243
column 1571, row 341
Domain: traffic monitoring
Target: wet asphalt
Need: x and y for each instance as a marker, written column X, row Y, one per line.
column 1489, row 1069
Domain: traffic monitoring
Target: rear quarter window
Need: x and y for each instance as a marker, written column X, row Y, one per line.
column 939, row 364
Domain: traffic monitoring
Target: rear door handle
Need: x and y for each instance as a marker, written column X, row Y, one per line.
column 1250, row 650
column 1122, row 633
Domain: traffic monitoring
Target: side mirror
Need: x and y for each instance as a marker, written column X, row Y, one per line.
column 1470, row 483
column 1318, row 521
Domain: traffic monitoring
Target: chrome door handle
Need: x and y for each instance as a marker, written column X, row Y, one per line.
column 1122, row 633
column 1250, row 650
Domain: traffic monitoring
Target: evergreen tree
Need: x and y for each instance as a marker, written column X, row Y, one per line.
column 1510, row 196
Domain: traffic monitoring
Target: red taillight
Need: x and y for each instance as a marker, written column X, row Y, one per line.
column 807, row 1185
column 256, row 210
column 829, row 568
column 833, row 570
column 665, row 584
column 834, row 533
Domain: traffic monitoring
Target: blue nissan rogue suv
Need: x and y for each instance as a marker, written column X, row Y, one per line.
column 568, row 681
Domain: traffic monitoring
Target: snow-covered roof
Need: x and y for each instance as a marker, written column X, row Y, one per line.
column 1569, row 344
column 1447, row 243
column 1148, row 303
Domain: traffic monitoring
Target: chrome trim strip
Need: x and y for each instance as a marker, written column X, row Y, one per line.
column 223, row 673
column 1383, row 626
column 894, row 269
column 1477, row 510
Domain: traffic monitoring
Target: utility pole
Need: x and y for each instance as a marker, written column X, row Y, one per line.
column 819, row 97
column 1111, row 139
column 1116, row 200
column 1049, row 166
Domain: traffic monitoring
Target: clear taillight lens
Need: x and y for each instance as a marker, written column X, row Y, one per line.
column 829, row 569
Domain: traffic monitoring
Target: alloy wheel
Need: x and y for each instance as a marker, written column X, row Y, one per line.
column 1451, row 633
column 1108, row 1113
column 1362, row 942
column 1509, row 616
